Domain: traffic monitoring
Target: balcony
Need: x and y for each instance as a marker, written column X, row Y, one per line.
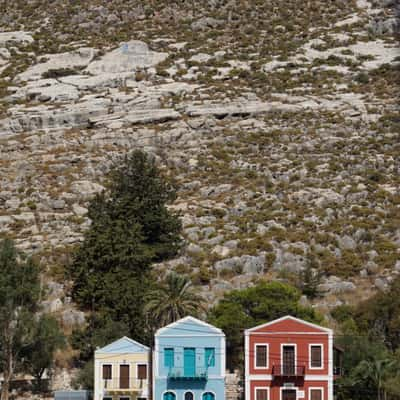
column 281, row 371
column 178, row 373
column 117, row 385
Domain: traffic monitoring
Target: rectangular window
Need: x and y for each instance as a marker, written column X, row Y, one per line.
column 168, row 357
column 107, row 371
column 316, row 356
column 142, row 371
column 209, row 356
column 261, row 394
column 315, row 394
column 261, row 355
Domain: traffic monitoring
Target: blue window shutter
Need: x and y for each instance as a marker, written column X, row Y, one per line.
column 189, row 361
column 209, row 357
column 169, row 357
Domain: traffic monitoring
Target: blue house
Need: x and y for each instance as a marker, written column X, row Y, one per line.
column 189, row 361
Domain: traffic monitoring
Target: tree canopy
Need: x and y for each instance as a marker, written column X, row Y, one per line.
column 47, row 338
column 371, row 341
column 242, row 309
column 131, row 228
column 19, row 295
column 172, row 300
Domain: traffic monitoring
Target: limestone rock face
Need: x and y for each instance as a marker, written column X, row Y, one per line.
column 287, row 261
column 129, row 57
column 46, row 90
column 7, row 38
column 245, row 264
column 86, row 189
column 76, row 59
column 336, row 286
column 205, row 23
column 72, row 318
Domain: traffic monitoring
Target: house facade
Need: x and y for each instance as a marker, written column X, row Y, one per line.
column 189, row 361
column 289, row 359
column 121, row 371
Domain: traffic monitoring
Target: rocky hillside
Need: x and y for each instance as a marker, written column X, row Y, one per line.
column 279, row 120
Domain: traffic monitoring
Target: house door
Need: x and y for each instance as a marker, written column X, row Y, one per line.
column 289, row 395
column 189, row 361
column 288, row 360
column 124, row 376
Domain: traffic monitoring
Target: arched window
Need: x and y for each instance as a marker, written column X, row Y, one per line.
column 189, row 396
column 208, row 396
column 169, row 396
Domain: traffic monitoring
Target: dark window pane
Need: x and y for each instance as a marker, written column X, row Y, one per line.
column 262, row 394
column 142, row 371
column 316, row 356
column 261, row 356
column 316, row 394
column 106, row 371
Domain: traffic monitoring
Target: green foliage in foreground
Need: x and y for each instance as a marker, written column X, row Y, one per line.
column 371, row 343
column 242, row 309
column 47, row 338
column 19, row 295
column 27, row 342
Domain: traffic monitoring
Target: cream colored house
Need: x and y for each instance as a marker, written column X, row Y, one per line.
column 121, row 371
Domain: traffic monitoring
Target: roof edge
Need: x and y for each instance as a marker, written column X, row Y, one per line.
column 193, row 319
column 319, row 327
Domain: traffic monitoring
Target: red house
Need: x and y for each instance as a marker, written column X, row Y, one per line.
column 289, row 359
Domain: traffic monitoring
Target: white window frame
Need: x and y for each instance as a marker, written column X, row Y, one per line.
column 255, row 356
column 256, row 388
column 321, row 346
column 295, row 356
column 137, row 370
column 320, row 388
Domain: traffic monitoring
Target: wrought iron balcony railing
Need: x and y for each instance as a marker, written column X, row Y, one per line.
column 178, row 373
column 122, row 383
column 288, row 370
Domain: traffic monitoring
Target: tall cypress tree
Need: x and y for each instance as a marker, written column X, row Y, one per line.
column 131, row 229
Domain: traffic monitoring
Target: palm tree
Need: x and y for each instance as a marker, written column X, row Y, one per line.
column 172, row 300
column 376, row 372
